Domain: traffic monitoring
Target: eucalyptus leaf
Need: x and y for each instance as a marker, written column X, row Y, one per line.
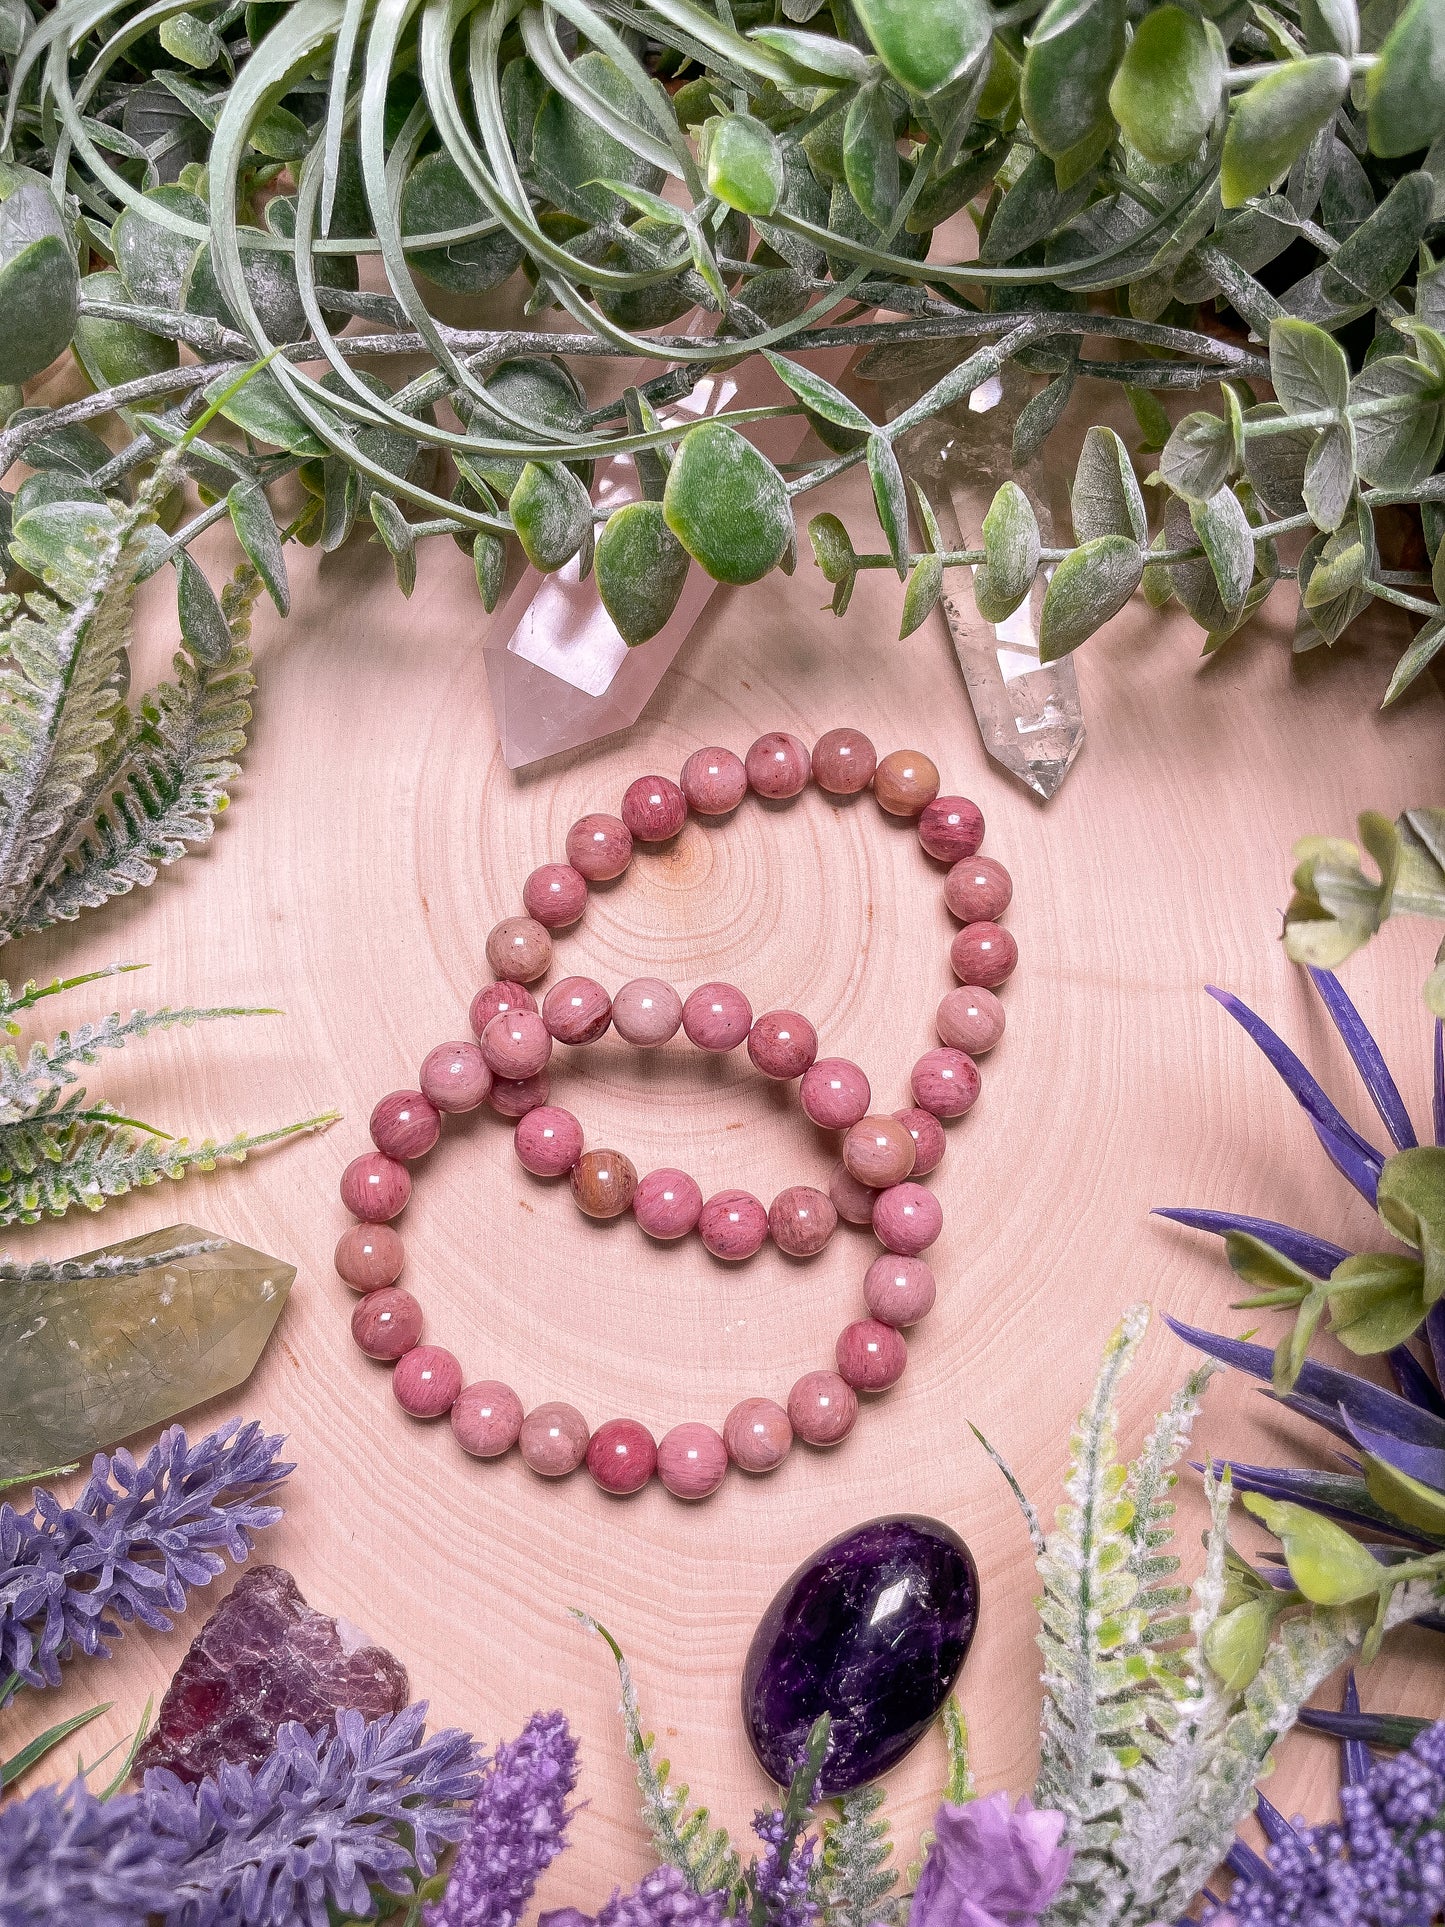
column 552, row 514
column 1330, row 475
column 890, row 498
column 1106, row 497
column 744, row 164
column 1169, row 89
column 1228, row 542
column 1073, row 53
column 436, row 197
column 727, row 504
column 1275, row 120
column 1199, row 456
column 925, row 585
column 259, row 536
column 1308, row 367
column 870, row 155
column 1011, row 554
column 821, row 396
column 641, row 569
column 1405, row 89
column 1088, row 587
column 927, row 45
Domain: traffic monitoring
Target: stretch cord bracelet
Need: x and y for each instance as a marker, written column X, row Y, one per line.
column 873, row 1184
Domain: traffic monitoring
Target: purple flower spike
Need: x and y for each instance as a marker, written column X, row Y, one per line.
column 663, row 1899
column 518, row 1827
column 991, row 1864
column 66, row 1858
column 786, row 1892
column 1368, row 1059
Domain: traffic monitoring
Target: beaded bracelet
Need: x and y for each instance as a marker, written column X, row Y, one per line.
column 873, row 1184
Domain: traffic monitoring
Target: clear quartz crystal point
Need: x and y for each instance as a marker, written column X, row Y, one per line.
column 1029, row 714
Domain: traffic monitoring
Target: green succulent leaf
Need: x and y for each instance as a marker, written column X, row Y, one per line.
column 727, row 504
column 1199, row 456
column 1411, row 1200
column 489, row 561
column 890, row 498
column 1011, row 554
column 1169, row 90
column 1227, row 539
column 641, row 569
column 927, row 45
column 744, row 164
column 395, row 532
column 1106, row 498
column 1088, row 587
column 1327, row 1565
column 552, row 514
column 1073, row 53
column 1275, row 120
column 925, row 585
column 835, row 555
column 1405, row 89
column 870, row 155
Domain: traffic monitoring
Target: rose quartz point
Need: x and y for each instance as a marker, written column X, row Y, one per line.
column 929, row 1143
column 835, row 1093
column 782, row 1044
column 375, row 1187
column 871, row 1356
column 692, row 1461
column 426, row 1381
column 802, row 1219
column 983, row 954
column 654, row 809
column 370, row 1256
column 733, row 1225
column 517, row 1045
column 548, row 1141
column 646, row 1012
column 946, row 1082
column 455, row 1077
column 822, row 1408
column 717, row 1017
column 486, row 1418
column 970, row 1019
column 599, row 847
column 515, row 1096
column 386, row 1323
column 778, row 766
column 852, row 1201
column 757, row 1435
column 879, row 1151
column 577, row 1010
column 495, row 1000
column 519, row 950
column 667, row 1204
column 622, row 1456
column 907, row 1219
column 555, row 896
column 843, row 762
column 951, row 827
column 714, row 781
column 978, row 891
column 899, row 1291
column 553, row 1440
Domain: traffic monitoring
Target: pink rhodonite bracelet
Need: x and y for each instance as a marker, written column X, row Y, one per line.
column 873, row 1184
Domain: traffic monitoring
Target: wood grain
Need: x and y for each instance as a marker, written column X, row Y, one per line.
column 375, row 838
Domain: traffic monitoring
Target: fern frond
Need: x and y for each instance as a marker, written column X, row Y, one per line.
column 110, row 1264
column 49, row 1068
column 856, row 1884
column 959, row 1787
column 1151, row 1480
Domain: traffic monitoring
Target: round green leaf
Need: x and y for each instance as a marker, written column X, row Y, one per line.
column 1237, row 1642
column 534, row 390
column 39, row 293
column 436, row 197
column 833, row 549
column 1011, row 554
column 1405, row 89
column 187, row 38
column 1328, row 1566
column 1106, row 498
column 1089, row 586
column 870, row 155
column 1072, row 56
column 552, row 514
column 154, row 260
column 727, row 504
column 571, row 152
column 927, row 44
column 1170, row 88
column 744, row 164
column 112, row 352
column 1275, row 120
column 641, row 568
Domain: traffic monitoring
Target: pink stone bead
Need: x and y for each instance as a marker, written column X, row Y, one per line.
column 714, row 781
column 929, row 1143
column 554, row 1440
column 555, row 895
column 782, row 1044
column 646, row 1012
column 979, row 890
column 548, row 1141
column 486, row 1418
column 517, row 1045
column 455, row 1077
column 899, row 1291
column 692, row 1461
column 802, row 1220
column 717, row 1017
column 879, row 1151
column 907, row 1219
column 835, row 1093
column 951, row 827
column 375, row 1187
column 852, row 1201
column 370, row 1256
column 577, row 1010
column 604, row 1183
column 822, row 1408
column 519, row 950
column 946, row 1082
column 970, row 1019
column 983, row 954
column 654, row 809
column 757, row 1435
column 622, row 1456
column 515, row 1096
column 733, row 1225
column 405, row 1125
column 599, row 846
column 778, row 766
column 843, row 762
column 426, row 1381
column 871, row 1356
column 496, row 1000
column 386, row 1323
column 667, row 1204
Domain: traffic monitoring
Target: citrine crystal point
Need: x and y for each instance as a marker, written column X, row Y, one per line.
column 85, row 1363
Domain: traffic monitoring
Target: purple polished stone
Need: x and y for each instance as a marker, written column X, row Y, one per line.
column 873, row 1629
column 263, row 1657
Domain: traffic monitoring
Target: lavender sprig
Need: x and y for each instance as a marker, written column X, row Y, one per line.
column 517, row 1828
column 662, row 1899
column 782, row 1881
column 66, row 1857
column 139, row 1537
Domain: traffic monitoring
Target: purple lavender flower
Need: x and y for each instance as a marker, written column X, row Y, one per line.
column 66, row 1858
column 663, row 1899
column 785, row 1891
column 991, row 1864
column 517, row 1828
column 137, row 1539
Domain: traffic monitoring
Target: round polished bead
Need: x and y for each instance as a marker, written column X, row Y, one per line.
column 577, row 1010
column 386, row 1323
column 950, row 827
column 979, row 890
column 646, row 1012
column 983, row 954
column 405, row 1125
column 929, row 1143
column 843, row 762
column 486, row 1418
column 495, row 1000
column 599, row 846
column 879, row 1151
column 970, row 1018
column 515, row 1096
column 907, row 1219
column 852, row 1201
column 370, row 1256
column 654, row 809
column 778, row 766
column 905, row 783
column 455, row 1077
column 667, row 1204
column 835, row 1093
column 899, row 1291
column 603, row 1183
column 717, row 1017
column 714, row 781
column 519, row 950
column 782, row 1044
column 553, row 1440
column 375, row 1187
column 822, row 1408
column 871, row 1355
column 733, row 1225
column 757, row 1435
column 946, row 1082
column 548, row 1141
column 692, row 1461
column 555, row 895
column 426, row 1381
column 517, row 1045
column 801, row 1220
column 622, row 1456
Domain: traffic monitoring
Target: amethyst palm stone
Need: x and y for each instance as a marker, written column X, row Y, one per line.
column 872, row 1630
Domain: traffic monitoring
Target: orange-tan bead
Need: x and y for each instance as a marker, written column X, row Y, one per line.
column 519, row 950
column 905, row 782
column 603, row 1183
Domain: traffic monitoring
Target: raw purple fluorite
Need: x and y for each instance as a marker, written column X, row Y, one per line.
column 873, row 1629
